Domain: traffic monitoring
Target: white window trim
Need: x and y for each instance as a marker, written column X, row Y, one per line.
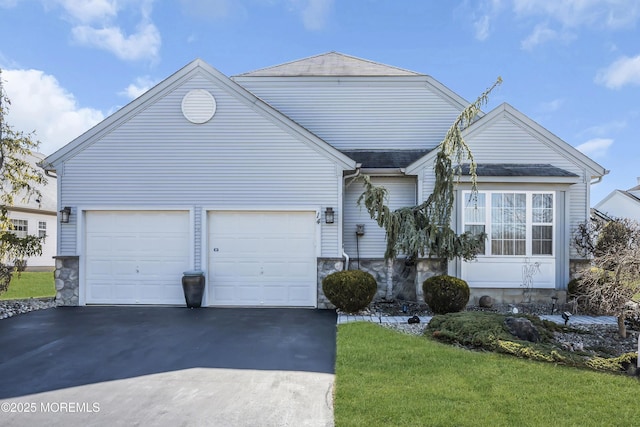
column 42, row 226
column 24, row 223
column 528, row 222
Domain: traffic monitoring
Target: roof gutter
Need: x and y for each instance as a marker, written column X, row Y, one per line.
column 384, row 171
column 48, row 169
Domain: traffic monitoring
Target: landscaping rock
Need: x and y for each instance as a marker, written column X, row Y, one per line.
column 485, row 301
column 522, row 328
column 10, row 308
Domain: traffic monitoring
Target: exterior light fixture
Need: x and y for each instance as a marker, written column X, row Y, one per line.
column 329, row 216
column 64, row 215
column 565, row 316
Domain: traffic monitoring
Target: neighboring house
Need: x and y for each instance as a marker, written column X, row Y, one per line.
column 38, row 216
column 622, row 204
column 249, row 179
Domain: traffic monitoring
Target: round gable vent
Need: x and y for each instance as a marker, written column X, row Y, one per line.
column 198, row 106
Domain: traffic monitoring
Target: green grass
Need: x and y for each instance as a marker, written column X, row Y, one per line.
column 30, row 285
column 385, row 378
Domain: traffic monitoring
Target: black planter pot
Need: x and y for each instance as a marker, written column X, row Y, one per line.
column 193, row 287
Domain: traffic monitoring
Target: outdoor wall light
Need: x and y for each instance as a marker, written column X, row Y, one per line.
column 64, row 215
column 329, row 216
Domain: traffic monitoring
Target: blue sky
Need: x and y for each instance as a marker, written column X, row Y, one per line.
column 571, row 65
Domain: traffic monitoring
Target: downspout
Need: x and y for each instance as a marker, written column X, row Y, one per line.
column 353, row 175
column 346, row 257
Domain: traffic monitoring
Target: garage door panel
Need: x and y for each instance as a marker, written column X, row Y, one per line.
column 256, row 258
column 136, row 257
column 235, row 270
column 159, row 246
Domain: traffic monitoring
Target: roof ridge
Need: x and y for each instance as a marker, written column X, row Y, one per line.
column 315, row 68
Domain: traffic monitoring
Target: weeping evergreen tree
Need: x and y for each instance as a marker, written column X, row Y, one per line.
column 425, row 229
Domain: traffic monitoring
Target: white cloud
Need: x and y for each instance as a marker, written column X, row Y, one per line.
column 8, row 3
column 558, row 19
column 551, row 106
column 486, row 12
column 145, row 43
column 315, row 13
column 137, row 88
column 606, row 128
column 482, row 27
column 215, row 10
column 610, row 14
column 596, row 147
column 40, row 104
column 541, row 34
column 89, row 11
column 97, row 23
column 624, row 71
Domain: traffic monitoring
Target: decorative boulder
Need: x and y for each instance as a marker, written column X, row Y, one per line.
column 522, row 329
column 485, row 301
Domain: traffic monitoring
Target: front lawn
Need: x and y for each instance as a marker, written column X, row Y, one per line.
column 30, row 285
column 385, row 378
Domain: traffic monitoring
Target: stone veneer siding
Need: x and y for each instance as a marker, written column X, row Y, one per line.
column 575, row 266
column 399, row 280
column 404, row 281
column 67, row 280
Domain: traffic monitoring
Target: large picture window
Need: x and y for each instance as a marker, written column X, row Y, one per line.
column 517, row 223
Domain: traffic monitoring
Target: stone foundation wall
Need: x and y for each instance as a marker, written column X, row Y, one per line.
column 516, row 295
column 67, row 280
column 428, row 268
column 403, row 281
column 576, row 265
column 397, row 280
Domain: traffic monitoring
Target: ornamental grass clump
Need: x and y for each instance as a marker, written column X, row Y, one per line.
column 445, row 294
column 350, row 290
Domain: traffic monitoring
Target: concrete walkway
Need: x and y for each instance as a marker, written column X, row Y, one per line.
column 574, row 320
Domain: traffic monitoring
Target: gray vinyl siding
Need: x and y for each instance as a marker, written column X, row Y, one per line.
column 506, row 142
column 402, row 192
column 240, row 159
column 361, row 113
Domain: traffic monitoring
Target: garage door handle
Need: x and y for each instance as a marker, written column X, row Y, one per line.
column 137, row 269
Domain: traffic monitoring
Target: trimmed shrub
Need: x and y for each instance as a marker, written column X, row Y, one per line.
column 574, row 287
column 445, row 294
column 350, row 290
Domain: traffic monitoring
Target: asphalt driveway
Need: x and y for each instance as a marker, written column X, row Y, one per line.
column 167, row 366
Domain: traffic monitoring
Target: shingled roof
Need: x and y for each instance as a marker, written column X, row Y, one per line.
column 392, row 159
column 518, row 169
column 330, row 64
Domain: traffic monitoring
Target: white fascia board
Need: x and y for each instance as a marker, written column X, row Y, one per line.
column 176, row 79
column 539, row 132
column 415, row 167
column 383, row 171
column 525, row 179
column 122, row 115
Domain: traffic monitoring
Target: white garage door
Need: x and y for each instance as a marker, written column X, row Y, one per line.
column 136, row 257
column 262, row 259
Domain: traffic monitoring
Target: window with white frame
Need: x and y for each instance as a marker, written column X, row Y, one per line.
column 20, row 227
column 42, row 229
column 519, row 223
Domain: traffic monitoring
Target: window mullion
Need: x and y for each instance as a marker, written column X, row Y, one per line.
column 528, row 224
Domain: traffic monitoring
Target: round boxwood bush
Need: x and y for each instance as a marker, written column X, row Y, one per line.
column 350, row 290
column 445, row 294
